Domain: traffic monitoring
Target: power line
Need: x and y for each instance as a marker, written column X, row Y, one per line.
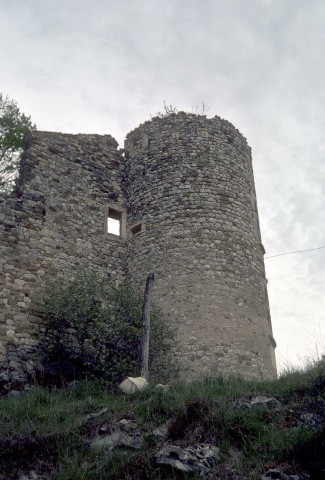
column 297, row 251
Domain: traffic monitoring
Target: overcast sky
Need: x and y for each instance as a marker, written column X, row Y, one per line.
column 104, row 66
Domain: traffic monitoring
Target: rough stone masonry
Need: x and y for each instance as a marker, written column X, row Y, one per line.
column 180, row 201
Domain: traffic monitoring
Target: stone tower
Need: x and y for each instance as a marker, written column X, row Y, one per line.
column 184, row 203
column 190, row 181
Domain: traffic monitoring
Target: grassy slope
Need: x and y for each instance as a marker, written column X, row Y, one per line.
column 49, row 432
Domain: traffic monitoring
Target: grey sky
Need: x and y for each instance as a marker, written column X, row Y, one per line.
column 105, row 66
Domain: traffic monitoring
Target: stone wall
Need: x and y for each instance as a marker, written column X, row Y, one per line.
column 55, row 218
column 190, row 179
column 186, row 190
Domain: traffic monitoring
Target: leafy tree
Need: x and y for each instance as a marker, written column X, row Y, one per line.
column 13, row 126
column 93, row 330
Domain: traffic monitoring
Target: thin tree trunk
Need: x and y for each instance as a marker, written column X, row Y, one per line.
column 146, row 326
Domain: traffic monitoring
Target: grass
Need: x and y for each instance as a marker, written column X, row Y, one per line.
column 51, row 431
column 41, row 411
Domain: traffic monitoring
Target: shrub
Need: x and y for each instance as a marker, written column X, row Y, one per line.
column 93, row 329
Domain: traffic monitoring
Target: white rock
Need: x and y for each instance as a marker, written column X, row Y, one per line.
column 133, row 384
column 162, row 387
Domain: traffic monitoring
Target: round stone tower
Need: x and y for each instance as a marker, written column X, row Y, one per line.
column 193, row 220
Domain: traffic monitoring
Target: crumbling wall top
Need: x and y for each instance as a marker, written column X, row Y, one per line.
column 179, row 118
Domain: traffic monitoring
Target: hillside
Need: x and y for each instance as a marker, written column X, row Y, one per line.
column 210, row 429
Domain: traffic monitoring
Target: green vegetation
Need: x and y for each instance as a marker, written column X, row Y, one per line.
column 92, row 329
column 90, row 342
column 13, row 127
column 51, row 431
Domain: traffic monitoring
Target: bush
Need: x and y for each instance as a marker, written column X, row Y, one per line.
column 93, row 330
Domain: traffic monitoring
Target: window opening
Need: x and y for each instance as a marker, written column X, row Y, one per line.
column 138, row 227
column 114, row 221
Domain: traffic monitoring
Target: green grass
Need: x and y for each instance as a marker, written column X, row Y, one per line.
column 51, row 428
column 41, row 411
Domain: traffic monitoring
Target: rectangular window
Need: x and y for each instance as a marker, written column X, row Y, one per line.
column 115, row 221
column 137, row 228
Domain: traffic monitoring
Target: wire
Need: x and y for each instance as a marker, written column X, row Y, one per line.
column 297, row 251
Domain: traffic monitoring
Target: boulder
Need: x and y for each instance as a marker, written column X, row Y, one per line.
column 126, row 434
column 161, row 432
column 200, row 458
column 311, row 419
column 133, row 384
column 276, row 474
column 107, row 442
column 257, row 402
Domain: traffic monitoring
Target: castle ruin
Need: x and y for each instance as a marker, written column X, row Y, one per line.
column 182, row 202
